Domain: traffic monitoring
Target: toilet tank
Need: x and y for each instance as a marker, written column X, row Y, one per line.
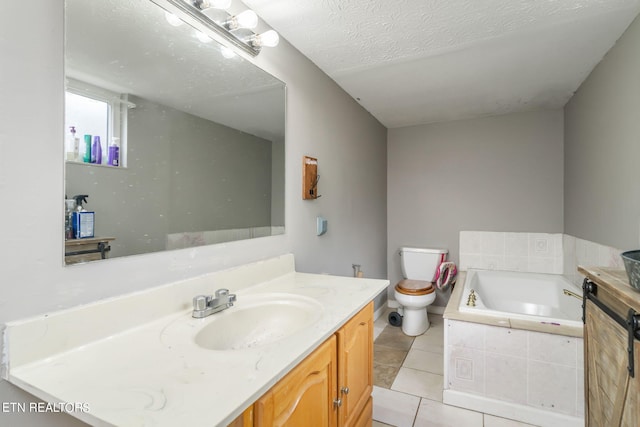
column 421, row 263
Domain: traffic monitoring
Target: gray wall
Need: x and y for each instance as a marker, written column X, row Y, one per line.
column 322, row 120
column 277, row 182
column 184, row 173
column 602, row 149
column 493, row 174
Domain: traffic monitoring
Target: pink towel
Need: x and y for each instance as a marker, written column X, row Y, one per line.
column 446, row 274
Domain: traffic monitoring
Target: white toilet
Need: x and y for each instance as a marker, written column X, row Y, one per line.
column 417, row 291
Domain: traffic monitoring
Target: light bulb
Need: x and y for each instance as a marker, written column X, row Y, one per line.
column 267, row 39
column 227, row 52
column 172, row 19
column 203, row 37
column 246, row 19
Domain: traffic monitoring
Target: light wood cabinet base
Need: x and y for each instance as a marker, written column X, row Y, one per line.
column 365, row 419
column 331, row 387
column 305, row 396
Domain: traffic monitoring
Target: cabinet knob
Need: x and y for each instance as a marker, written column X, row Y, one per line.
column 337, row 402
column 344, row 390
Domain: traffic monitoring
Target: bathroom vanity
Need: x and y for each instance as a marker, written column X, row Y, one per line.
column 142, row 359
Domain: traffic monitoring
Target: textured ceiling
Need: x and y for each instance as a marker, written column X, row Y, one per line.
column 420, row 61
column 127, row 46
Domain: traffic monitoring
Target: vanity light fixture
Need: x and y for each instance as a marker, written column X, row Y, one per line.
column 269, row 38
column 246, row 19
column 236, row 29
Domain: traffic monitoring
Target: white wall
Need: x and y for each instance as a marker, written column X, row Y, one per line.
column 322, row 121
column 602, row 149
column 501, row 173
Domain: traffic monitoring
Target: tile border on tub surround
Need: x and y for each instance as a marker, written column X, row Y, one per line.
column 551, row 253
column 577, row 251
column 497, row 250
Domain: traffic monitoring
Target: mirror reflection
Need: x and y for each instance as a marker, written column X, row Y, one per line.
column 172, row 141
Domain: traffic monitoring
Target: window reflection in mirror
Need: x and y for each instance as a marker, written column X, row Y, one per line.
column 91, row 112
column 203, row 134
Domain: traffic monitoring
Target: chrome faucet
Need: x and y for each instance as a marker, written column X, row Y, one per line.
column 206, row 305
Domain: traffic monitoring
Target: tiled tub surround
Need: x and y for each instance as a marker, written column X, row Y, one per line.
column 533, row 252
column 114, row 354
column 505, row 366
column 495, row 365
column 583, row 252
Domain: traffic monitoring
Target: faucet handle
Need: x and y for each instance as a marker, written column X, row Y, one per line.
column 222, row 293
column 200, row 302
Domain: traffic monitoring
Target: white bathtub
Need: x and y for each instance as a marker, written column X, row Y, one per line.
column 526, row 296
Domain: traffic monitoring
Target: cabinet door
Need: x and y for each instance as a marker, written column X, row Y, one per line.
column 366, row 416
column 612, row 396
column 355, row 366
column 305, row 396
column 244, row 420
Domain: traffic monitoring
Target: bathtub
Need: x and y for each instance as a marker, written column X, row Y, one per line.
column 518, row 353
column 536, row 297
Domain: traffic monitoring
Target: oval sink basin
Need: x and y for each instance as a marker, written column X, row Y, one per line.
column 258, row 320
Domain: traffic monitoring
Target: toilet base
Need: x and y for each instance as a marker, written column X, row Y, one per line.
column 415, row 321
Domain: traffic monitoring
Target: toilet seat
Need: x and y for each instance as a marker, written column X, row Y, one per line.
column 415, row 287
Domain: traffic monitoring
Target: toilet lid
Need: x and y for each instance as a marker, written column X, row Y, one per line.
column 415, row 287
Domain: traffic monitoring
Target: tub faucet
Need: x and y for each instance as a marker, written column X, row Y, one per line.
column 206, row 305
column 571, row 294
column 471, row 302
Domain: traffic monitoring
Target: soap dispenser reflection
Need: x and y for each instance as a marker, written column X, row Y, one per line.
column 73, row 145
column 69, row 209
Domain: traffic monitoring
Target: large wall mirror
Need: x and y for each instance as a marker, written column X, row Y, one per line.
column 199, row 131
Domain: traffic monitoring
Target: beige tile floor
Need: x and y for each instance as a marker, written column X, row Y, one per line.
column 408, row 381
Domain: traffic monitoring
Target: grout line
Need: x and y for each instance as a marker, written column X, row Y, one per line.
column 415, row 418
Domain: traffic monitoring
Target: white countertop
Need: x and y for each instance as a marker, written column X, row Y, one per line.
column 153, row 373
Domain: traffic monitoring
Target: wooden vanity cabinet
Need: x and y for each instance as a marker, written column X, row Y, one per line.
column 331, row 387
column 305, row 396
column 244, row 420
column 355, row 368
column 612, row 395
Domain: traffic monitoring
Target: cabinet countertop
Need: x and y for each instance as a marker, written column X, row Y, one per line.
column 149, row 375
column 615, row 281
